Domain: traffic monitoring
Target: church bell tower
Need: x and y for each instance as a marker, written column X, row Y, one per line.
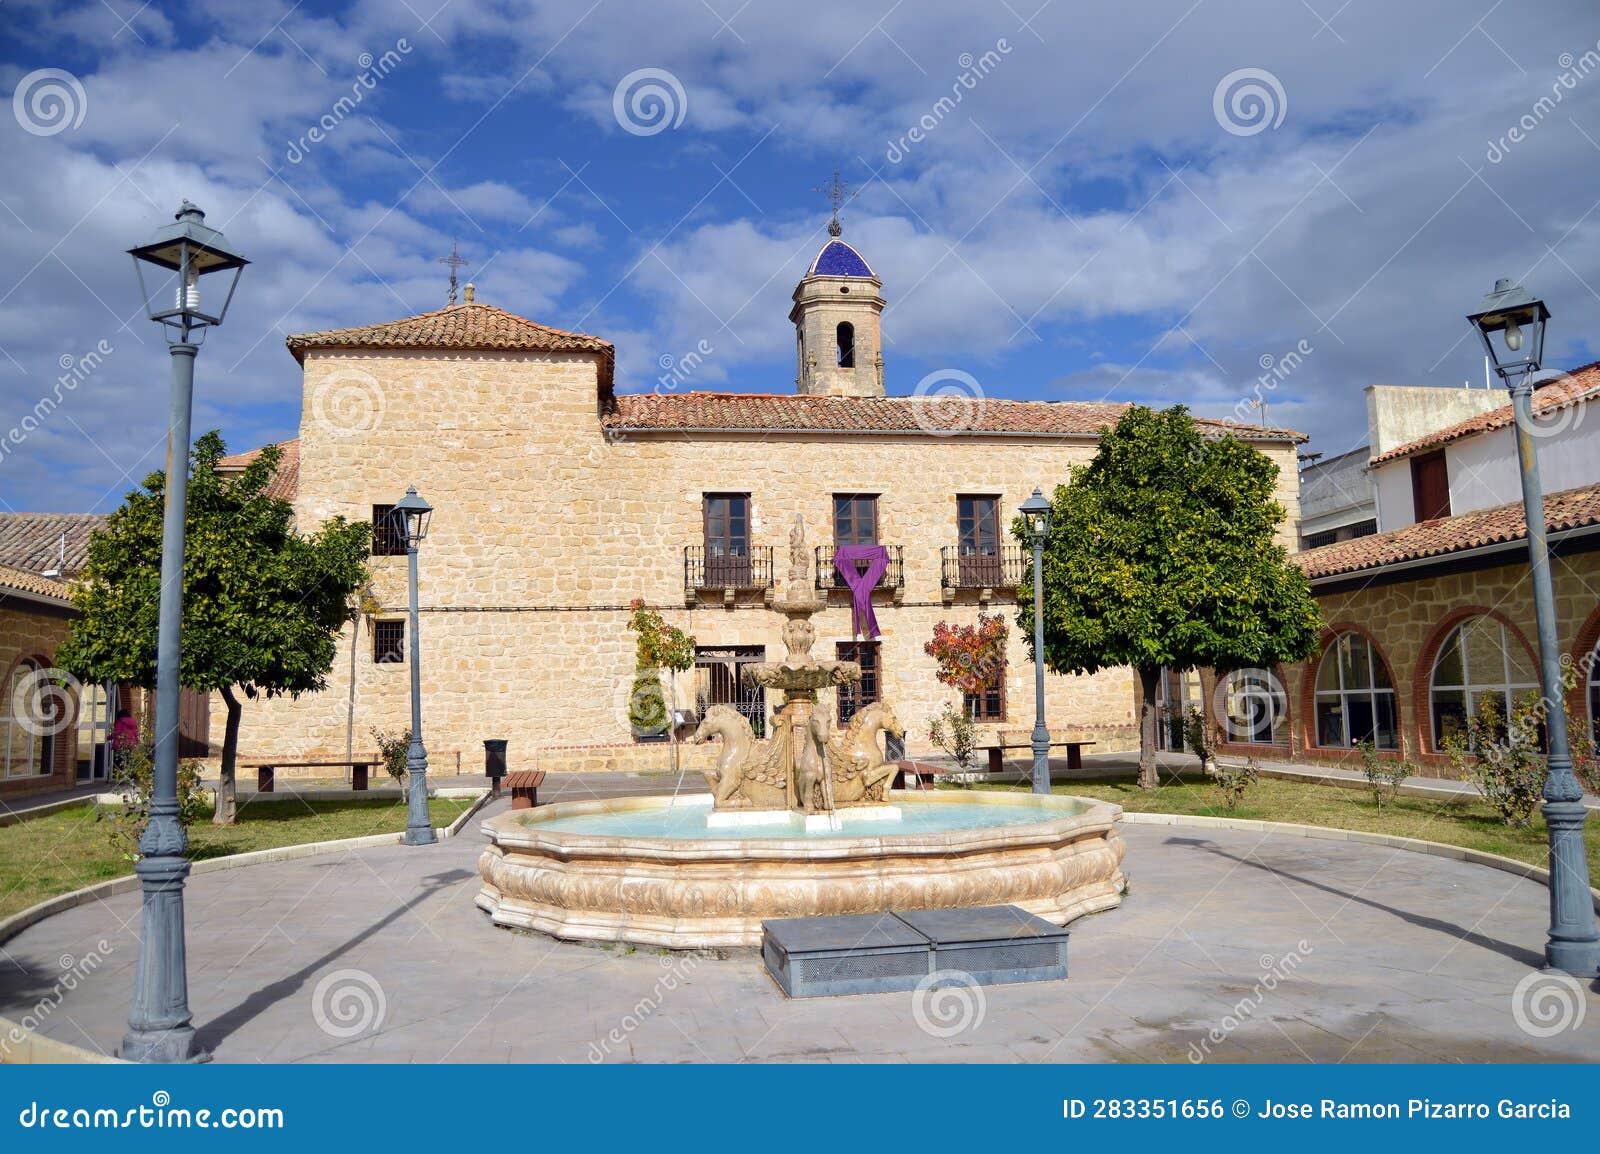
column 837, row 313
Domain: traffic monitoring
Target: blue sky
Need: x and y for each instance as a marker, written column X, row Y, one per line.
column 1152, row 203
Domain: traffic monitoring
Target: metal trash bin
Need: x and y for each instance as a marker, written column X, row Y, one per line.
column 494, row 762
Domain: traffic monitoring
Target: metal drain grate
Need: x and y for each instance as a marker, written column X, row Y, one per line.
column 880, row 953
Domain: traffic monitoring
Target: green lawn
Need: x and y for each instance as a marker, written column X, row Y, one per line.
column 1467, row 823
column 68, row 849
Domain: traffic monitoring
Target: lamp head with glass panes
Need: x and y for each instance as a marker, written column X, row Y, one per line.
column 1510, row 321
column 191, row 250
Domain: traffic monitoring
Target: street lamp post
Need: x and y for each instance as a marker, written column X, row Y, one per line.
column 411, row 516
column 1036, row 522
column 1511, row 322
column 159, row 1027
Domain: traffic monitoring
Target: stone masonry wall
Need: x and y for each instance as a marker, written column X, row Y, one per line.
column 545, row 529
column 30, row 630
column 1407, row 623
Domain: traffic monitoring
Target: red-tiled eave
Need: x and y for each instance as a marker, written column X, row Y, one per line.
column 1548, row 397
column 472, row 326
column 1568, row 509
column 792, row 412
column 32, row 587
column 285, row 479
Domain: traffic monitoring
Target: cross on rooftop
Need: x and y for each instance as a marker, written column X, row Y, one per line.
column 455, row 261
column 837, row 191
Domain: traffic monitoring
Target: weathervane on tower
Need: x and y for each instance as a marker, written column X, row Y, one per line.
column 838, row 193
column 455, row 262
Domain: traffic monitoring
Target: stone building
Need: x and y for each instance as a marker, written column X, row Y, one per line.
column 54, row 730
column 1430, row 616
column 560, row 498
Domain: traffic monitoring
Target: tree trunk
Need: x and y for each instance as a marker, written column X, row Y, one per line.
column 227, row 792
column 1149, row 680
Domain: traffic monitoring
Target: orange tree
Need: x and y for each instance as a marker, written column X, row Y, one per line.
column 1163, row 553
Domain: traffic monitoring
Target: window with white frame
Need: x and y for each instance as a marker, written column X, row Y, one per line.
column 1355, row 698
column 1479, row 661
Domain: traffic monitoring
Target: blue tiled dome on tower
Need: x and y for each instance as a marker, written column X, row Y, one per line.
column 839, row 259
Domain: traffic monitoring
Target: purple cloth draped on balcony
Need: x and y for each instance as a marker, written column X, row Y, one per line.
column 861, row 583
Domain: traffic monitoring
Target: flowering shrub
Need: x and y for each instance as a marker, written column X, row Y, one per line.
column 659, row 645
column 1502, row 756
column 953, row 731
column 970, row 657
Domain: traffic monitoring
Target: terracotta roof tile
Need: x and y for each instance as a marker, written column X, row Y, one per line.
column 464, row 326
column 1568, row 509
column 285, row 480
column 1548, row 397
column 31, row 542
column 20, row 580
column 792, row 412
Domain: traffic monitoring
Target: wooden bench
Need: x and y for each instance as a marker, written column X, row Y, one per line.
column 266, row 770
column 1023, row 739
column 524, row 786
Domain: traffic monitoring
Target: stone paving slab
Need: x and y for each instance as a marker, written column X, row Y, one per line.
column 378, row 954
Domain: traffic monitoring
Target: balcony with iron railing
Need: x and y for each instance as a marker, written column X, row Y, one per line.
column 727, row 573
column 962, row 567
column 893, row 579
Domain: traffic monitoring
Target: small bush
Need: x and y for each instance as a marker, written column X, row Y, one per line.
column 392, row 747
column 1233, row 780
column 1384, row 776
column 1502, row 757
column 133, row 776
column 1198, row 736
column 954, row 732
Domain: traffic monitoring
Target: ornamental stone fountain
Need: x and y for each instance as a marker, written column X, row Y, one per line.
column 804, row 824
column 805, row 768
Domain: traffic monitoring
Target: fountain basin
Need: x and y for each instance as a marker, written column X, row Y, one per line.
column 649, row 870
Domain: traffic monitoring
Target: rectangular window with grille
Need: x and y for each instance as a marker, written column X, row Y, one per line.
column 388, row 539
column 388, row 642
column 990, row 704
column 869, row 688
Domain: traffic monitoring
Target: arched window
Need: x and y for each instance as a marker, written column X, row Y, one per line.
column 25, row 750
column 1479, row 661
column 1355, row 698
column 847, row 345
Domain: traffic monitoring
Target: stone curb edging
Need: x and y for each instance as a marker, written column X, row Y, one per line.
column 1328, row 833
column 36, row 1049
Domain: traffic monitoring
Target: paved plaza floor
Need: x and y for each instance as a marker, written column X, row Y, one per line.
column 1230, row 946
